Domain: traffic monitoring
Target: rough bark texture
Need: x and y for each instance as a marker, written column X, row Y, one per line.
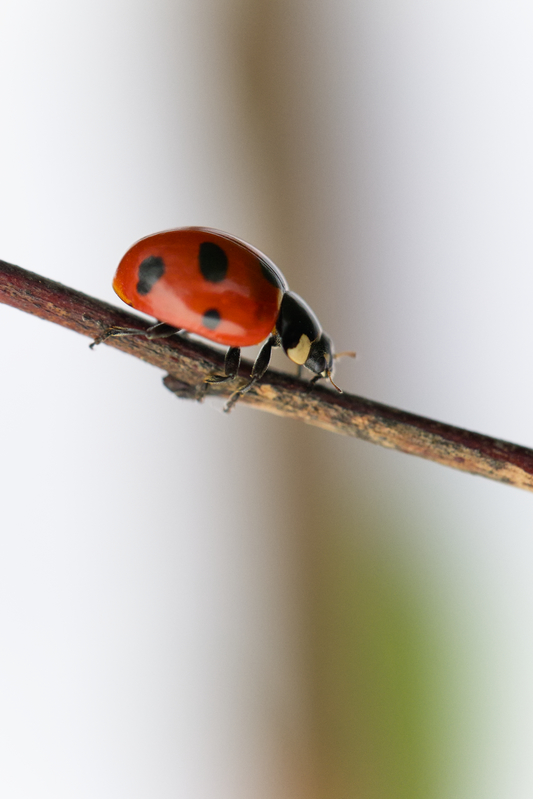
column 188, row 362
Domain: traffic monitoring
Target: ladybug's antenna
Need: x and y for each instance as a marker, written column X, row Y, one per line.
column 330, row 378
column 329, row 373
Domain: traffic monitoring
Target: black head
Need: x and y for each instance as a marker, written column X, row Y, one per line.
column 321, row 355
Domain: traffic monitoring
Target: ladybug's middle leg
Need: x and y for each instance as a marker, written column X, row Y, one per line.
column 258, row 370
column 231, row 367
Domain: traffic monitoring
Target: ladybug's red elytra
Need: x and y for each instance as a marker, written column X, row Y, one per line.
column 213, row 284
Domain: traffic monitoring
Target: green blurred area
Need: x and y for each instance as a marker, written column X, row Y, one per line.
column 387, row 675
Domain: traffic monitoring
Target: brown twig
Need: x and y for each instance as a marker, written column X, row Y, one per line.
column 188, row 362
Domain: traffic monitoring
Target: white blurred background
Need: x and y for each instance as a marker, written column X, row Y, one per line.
column 204, row 606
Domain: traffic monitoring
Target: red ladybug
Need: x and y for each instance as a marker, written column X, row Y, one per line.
column 217, row 286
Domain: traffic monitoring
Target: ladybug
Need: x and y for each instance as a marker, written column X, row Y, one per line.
column 213, row 284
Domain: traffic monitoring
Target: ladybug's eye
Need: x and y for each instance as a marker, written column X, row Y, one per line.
column 317, row 363
column 320, row 359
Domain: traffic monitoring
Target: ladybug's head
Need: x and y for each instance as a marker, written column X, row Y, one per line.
column 321, row 359
column 302, row 337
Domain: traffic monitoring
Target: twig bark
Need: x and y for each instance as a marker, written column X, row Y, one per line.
column 188, row 362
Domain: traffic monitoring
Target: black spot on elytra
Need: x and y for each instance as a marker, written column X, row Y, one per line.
column 211, row 319
column 270, row 275
column 213, row 262
column 151, row 270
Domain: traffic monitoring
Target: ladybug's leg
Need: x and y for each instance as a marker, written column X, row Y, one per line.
column 314, row 380
column 258, row 370
column 159, row 330
column 231, row 367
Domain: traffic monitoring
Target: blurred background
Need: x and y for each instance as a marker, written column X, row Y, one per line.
column 201, row 605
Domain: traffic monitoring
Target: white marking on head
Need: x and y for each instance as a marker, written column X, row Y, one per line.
column 300, row 353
